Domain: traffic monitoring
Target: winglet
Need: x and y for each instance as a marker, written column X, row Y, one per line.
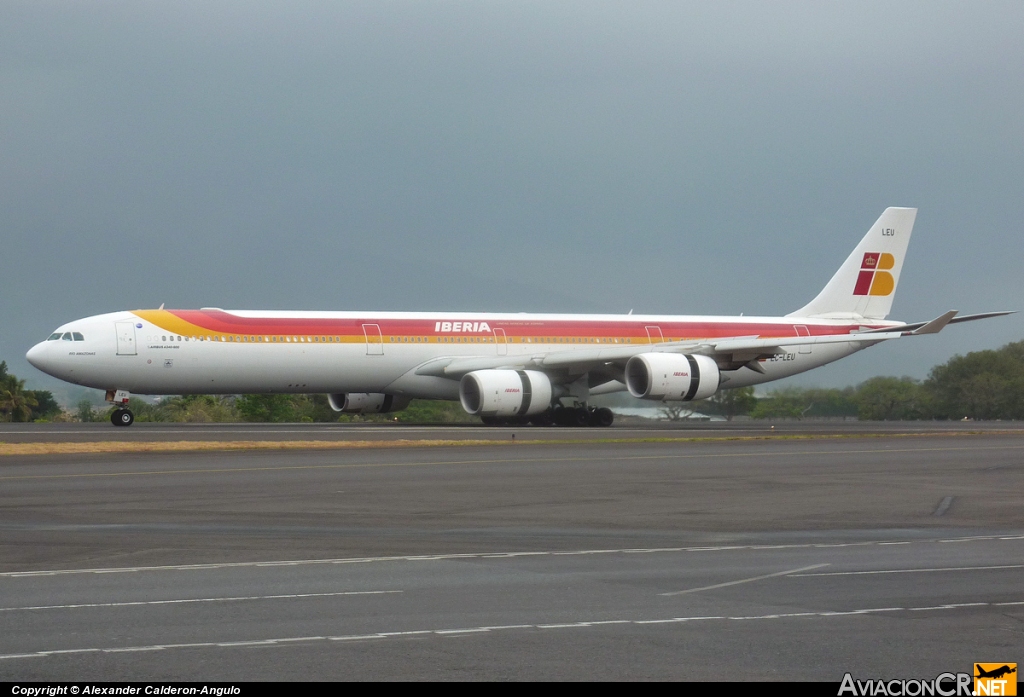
column 937, row 324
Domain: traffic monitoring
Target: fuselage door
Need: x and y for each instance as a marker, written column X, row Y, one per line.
column 655, row 335
column 501, row 341
column 801, row 330
column 374, row 341
column 125, row 338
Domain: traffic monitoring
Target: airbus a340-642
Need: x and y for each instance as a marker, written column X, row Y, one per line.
column 541, row 368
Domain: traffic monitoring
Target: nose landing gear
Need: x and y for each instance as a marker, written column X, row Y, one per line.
column 122, row 416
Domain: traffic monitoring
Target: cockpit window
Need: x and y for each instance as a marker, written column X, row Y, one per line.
column 54, row 337
column 78, row 336
column 67, row 336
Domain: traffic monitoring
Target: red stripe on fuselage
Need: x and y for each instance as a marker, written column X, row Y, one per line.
column 227, row 323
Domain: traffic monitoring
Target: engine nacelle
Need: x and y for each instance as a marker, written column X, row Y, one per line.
column 672, row 377
column 366, row 403
column 505, row 392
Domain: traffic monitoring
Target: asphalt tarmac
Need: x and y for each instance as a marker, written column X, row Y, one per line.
column 893, row 556
column 625, row 427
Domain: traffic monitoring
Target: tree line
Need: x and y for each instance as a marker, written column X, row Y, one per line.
column 272, row 408
column 19, row 404
column 984, row 385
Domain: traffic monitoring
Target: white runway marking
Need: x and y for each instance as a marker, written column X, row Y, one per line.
column 509, row 627
column 745, row 580
column 913, row 571
column 194, row 600
column 483, row 555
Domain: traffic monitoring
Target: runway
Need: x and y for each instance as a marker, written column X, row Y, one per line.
column 628, row 427
column 890, row 556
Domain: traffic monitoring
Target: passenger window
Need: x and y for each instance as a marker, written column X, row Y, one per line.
column 78, row 336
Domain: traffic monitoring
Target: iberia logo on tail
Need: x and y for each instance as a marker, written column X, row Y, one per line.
column 874, row 277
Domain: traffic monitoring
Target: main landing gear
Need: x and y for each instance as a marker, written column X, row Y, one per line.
column 578, row 416
column 122, row 416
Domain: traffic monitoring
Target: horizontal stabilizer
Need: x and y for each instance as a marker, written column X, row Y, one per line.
column 915, row 326
column 937, row 324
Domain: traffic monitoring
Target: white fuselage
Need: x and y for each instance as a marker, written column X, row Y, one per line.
column 218, row 352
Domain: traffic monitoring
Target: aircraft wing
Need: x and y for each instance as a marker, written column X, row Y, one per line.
column 735, row 351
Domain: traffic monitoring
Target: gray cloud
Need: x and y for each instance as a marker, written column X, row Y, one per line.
column 667, row 157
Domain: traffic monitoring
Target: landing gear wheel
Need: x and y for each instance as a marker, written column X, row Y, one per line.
column 542, row 419
column 122, row 417
column 602, row 417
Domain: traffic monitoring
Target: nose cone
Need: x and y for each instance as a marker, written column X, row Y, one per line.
column 37, row 356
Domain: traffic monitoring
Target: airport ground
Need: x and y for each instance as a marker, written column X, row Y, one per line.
column 628, row 428
column 701, row 552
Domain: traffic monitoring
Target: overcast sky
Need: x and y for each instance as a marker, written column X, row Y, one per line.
column 669, row 157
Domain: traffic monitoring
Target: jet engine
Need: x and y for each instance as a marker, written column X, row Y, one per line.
column 366, row 403
column 505, row 392
column 672, row 376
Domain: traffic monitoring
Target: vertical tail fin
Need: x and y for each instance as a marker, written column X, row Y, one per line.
column 866, row 282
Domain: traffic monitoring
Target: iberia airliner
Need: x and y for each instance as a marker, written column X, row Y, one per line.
column 541, row 368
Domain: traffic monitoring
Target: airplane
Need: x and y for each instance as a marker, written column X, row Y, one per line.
column 995, row 673
column 505, row 368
